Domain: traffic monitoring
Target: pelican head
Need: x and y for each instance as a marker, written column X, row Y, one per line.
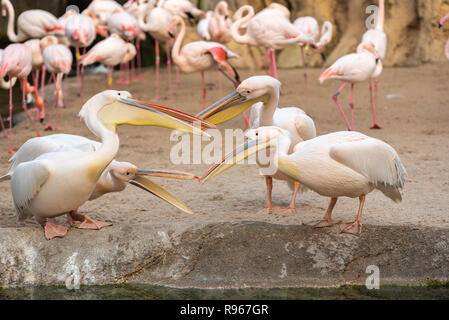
column 114, row 108
column 250, row 91
column 258, row 139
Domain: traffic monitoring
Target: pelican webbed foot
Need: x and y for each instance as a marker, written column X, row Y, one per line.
column 324, row 223
column 284, row 211
column 352, row 227
column 54, row 231
column 81, row 221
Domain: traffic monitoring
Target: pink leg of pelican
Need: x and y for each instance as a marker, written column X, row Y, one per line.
column 158, row 62
column 203, row 82
column 305, row 76
column 335, row 98
column 170, row 86
column 375, row 124
column 273, row 67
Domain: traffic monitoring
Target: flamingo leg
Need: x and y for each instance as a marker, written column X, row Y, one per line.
column 203, row 82
column 305, row 76
column 44, row 72
column 264, row 61
column 110, row 72
column 78, row 68
column 24, row 106
column 53, row 107
column 327, row 220
column 375, row 124
column 158, row 62
column 291, row 208
column 3, row 127
column 10, row 151
column 273, row 67
column 82, row 77
column 170, row 88
column 220, row 84
column 354, row 227
column 139, row 60
column 269, row 206
column 335, row 98
column 351, row 105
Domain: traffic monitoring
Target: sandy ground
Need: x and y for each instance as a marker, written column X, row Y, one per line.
column 415, row 125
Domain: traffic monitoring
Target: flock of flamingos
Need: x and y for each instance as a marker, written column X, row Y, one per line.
column 54, row 175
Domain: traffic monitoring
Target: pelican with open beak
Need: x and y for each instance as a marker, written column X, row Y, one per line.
column 58, row 183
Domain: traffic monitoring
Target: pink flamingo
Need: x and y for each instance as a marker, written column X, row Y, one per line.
column 110, row 52
column 102, row 10
column 58, row 61
column 377, row 37
column 310, row 27
column 38, row 66
column 183, row 8
column 31, row 24
column 200, row 56
column 125, row 25
column 80, row 32
column 270, row 28
column 220, row 23
column 352, row 68
column 17, row 63
column 156, row 21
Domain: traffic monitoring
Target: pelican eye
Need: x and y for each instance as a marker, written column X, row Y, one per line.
column 119, row 94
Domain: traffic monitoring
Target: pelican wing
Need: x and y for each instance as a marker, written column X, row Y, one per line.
column 26, row 182
column 375, row 160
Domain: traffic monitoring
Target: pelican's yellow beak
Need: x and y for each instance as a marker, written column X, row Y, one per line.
column 158, row 191
column 229, row 108
column 179, row 175
column 133, row 112
column 242, row 152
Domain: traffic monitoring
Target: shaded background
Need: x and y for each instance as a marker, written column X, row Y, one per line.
column 411, row 25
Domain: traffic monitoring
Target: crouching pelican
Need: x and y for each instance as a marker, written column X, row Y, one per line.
column 340, row 164
column 261, row 94
column 113, row 179
column 57, row 183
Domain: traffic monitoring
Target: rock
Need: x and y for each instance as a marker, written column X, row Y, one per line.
column 227, row 255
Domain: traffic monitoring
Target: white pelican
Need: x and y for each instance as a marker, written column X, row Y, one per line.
column 58, row 183
column 113, row 179
column 261, row 93
column 339, row 164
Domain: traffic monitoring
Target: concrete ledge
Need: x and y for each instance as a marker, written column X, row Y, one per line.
column 240, row 254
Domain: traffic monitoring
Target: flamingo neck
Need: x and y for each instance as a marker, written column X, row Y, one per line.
column 146, row 26
column 176, row 51
column 13, row 37
column 267, row 113
column 235, row 33
column 381, row 16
